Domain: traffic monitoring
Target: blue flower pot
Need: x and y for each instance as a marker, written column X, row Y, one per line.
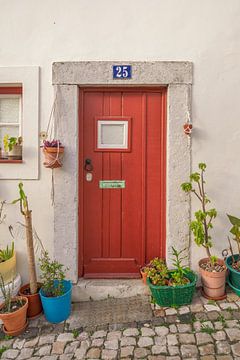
column 57, row 309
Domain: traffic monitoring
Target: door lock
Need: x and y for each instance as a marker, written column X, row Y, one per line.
column 88, row 165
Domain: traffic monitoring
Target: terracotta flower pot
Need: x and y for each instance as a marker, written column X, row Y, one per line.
column 53, row 157
column 15, row 322
column 144, row 276
column 213, row 282
column 34, row 302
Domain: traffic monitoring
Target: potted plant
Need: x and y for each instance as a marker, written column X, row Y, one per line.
column 212, row 269
column 171, row 287
column 8, row 263
column 53, row 151
column 233, row 261
column 13, row 147
column 13, row 312
column 55, row 291
column 31, row 290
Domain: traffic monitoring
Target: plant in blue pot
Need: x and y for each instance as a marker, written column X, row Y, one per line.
column 56, row 291
column 233, row 261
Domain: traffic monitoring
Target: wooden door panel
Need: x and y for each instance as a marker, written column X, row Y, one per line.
column 120, row 229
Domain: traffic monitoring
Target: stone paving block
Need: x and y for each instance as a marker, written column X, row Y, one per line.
column 183, row 310
column 172, row 339
column 171, row 311
column 145, row 341
column 147, row 332
column 173, row 350
column 114, row 335
column 213, row 315
column 111, row 344
column 46, row 339
column 236, row 349
column 207, row 349
column 203, row 338
column 223, row 347
column 97, row 342
column 126, row 351
column 58, row 347
column 219, row 335
column 44, row 350
column 66, row 356
column 127, row 341
column 140, row 353
column 160, row 340
column 31, row 343
column 109, row 354
column 161, row 330
column 231, row 305
column 219, row 325
column 18, row 344
column 99, row 334
column 50, row 357
column 25, row 354
column 72, row 347
column 224, row 357
column 188, row 351
column 172, row 319
column 173, row 358
column 195, row 308
column 156, row 357
column 131, row 332
column 65, row 337
column 233, row 334
column 158, row 349
column 81, row 352
column 187, row 339
column 10, row 354
column 209, row 307
column 172, row 328
column 184, row 328
column 207, row 357
column 94, row 353
column 232, row 324
column 197, row 326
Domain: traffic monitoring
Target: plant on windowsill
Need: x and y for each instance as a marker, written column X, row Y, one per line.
column 55, row 292
column 31, row 290
column 53, row 151
column 13, row 147
column 13, row 311
column 212, row 269
column 171, row 287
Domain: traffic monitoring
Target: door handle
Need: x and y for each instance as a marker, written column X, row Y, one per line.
column 88, row 165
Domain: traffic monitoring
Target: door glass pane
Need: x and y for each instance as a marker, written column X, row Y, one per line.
column 9, row 110
column 112, row 134
column 12, row 131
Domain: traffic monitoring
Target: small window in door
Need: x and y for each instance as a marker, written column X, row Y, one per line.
column 113, row 133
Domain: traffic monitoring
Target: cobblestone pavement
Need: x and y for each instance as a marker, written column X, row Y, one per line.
column 205, row 330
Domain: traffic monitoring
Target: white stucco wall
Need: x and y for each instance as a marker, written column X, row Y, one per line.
column 205, row 32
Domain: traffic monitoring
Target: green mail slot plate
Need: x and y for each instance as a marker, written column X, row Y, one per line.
column 112, row 184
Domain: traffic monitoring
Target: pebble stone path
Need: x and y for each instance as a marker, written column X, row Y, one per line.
column 204, row 330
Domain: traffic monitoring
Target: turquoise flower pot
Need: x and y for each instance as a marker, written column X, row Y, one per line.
column 57, row 309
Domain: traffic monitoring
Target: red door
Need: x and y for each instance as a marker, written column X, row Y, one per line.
column 122, row 180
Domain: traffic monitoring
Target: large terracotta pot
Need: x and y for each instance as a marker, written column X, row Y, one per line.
column 213, row 282
column 53, row 157
column 8, row 269
column 15, row 322
column 34, row 302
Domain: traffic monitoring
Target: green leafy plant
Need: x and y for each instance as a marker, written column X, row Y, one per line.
column 10, row 304
column 235, row 231
column 2, row 349
column 75, row 333
column 52, row 275
column 207, row 329
column 203, row 218
column 9, row 142
column 157, row 272
column 6, row 254
column 178, row 276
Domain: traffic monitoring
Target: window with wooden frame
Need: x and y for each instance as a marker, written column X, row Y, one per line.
column 10, row 118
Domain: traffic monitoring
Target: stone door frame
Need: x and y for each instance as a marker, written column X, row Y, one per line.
column 67, row 78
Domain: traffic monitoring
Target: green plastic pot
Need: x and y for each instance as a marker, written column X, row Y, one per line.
column 168, row 296
column 234, row 275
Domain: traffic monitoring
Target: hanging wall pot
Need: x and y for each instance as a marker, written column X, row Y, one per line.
column 53, row 152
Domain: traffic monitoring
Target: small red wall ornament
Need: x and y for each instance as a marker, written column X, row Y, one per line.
column 187, row 127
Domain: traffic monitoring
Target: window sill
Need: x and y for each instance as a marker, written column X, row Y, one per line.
column 6, row 161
